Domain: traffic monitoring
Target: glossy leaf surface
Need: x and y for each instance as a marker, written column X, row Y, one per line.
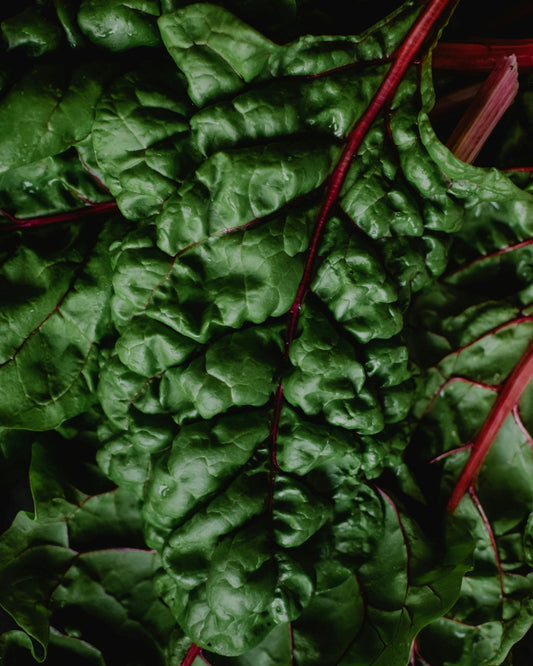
column 235, row 426
column 481, row 314
column 59, row 569
column 306, row 278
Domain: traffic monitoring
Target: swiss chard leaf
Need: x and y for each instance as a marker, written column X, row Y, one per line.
column 257, row 366
column 240, row 420
column 480, row 317
column 59, row 567
column 55, row 312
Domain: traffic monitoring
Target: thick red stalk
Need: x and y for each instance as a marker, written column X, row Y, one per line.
column 91, row 209
column 193, row 652
column 481, row 56
column 402, row 58
column 457, row 99
column 506, row 401
column 489, row 104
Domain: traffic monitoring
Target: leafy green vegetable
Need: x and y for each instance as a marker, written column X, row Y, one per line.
column 96, row 591
column 241, row 272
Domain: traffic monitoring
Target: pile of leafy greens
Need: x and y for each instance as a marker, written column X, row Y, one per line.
column 265, row 341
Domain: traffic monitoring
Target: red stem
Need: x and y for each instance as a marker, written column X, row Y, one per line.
column 522, row 427
column 481, row 56
column 490, row 532
column 193, row 652
column 489, row 104
column 403, row 57
column 446, row 454
column 492, row 255
column 416, row 656
column 504, row 405
column 91, row 209
column 291, row 643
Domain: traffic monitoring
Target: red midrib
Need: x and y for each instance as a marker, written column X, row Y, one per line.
column 481, row 56
column 193, row 652
column 501, row 409
column 55, row 218
column 402, row 58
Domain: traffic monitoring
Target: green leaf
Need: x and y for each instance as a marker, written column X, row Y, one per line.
column 47, row 111
column 119, row 25
column 207, row 419
column 51, row 324
column 59, row 578
column 140, row 137
column 481, row 312
column 31, row 31
column 263, row 338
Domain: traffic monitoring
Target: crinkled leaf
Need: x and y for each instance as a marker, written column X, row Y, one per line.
column 237, row 434
column 55, row 287
column 55, row 311
column 480, row 315
column 140, row 137
column 262, row 381
column 59, row 577
column 47, row 111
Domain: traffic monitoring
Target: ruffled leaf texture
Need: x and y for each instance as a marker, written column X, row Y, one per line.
column 75, row 574
column 479, row 326
column 55, row 290
column 267, row 460
column 252, row 447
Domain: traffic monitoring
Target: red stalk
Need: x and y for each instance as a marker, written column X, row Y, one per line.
column 416, row 656
column 522, row 427
column 454, row 100
column 505, row 403
column 488, row 528
column 481, row 56
column 291, row 643
column 493, row 255
column 193, row 652
column 489, row 104
column 402, row 58
column 55, row 218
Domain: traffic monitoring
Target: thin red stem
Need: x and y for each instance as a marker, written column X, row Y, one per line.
column 452, row 380
column 446, row 454
column 508, row 397
column 416, row 656
column 526, row 319
column 493, row 255
column 291, row 643
column 55, row 218
column 522, row 427
column 482, row 57
column 490, row 532
column 403, row 57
